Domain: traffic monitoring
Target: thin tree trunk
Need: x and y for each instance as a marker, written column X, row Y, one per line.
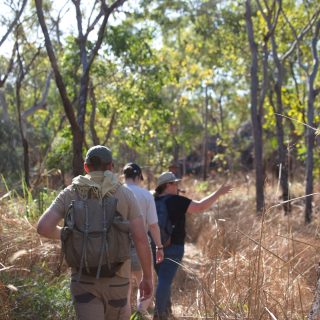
column 13, row 23
column 311, row 97
column 110, row 128
column 310, row 133
column 24, row 141
column 77, row 133
column 205, row 138
column 282, row 154
column 94, row 136
column 77, row 123
column 23, row 70
column 255, row 114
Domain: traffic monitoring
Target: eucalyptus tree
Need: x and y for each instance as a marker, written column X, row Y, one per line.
column 308, row 62
column 99, row 14
column 202, row 57
column 135, row 91
column 310, row 31
column 29, row 74
column 313, row 92
column 256, row 108
column 10, row 20
column 12, row 12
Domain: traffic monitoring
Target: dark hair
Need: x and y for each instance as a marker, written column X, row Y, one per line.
column 96, row 164
column 130, row 174
column 160, row 189
column 132, row 170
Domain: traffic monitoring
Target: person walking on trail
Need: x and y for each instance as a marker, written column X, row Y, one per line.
column 101, row 296
column 133, row 178
column 176, row 206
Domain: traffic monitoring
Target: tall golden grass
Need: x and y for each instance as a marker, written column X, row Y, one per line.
column 23, row 253
column 250, row 267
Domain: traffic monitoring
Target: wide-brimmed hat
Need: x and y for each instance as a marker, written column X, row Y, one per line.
column 167, row 177
column 101, row 152
column 132, row 170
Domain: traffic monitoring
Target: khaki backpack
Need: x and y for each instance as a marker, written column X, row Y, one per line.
column 95, row 237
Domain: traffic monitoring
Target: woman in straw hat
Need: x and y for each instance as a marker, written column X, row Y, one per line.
column 177, row 206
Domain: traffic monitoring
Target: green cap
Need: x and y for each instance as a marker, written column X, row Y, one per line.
column 101, row 152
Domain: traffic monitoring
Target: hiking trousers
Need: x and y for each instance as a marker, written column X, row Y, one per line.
column 100, row 299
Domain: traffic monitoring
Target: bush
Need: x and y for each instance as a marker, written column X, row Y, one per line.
column 37, row 298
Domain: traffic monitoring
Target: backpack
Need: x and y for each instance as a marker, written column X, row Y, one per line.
column 165, row 225
column 95, row 237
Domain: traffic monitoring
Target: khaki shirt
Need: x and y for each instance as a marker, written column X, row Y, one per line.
column 127, row 206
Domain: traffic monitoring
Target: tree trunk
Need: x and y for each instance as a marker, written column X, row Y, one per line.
column 86, row 58
column 94, row 136
column 23, row 138
column 282, row 153
column 255, row 114
column 77, row 135
column 268, row 14
column 310, row 134
column 205, row 138
column 110, row 127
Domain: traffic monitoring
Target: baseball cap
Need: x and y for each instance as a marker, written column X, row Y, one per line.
column 132, row 170
column 101, row 152
column 167, row 177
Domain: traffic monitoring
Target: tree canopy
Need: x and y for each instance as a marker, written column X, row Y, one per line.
column 160, row 81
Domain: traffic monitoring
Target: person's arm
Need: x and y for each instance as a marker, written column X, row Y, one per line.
column 155, row 234
column 48, row 224
column 207, row 202
column 141, row 244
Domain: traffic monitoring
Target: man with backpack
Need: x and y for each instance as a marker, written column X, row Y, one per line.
column 99, row 212
column 133, row 178
column 172, row 209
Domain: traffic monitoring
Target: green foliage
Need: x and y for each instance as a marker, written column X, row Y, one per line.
column 35, row 201
column 38, row 297
column 149, row 77
column 136, row 316
column 10, row 160
column 61, row 152
column 41, row 200
column 202, row 186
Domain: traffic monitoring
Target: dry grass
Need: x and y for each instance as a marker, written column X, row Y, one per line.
column 250, row 267
column 22, row 256
column 237, row 265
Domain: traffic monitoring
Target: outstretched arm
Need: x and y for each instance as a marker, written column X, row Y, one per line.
column 207, row 202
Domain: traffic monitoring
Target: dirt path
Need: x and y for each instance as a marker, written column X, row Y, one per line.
column 187, row 287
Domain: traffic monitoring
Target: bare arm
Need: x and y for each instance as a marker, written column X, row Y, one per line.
column 155, row 233
column 207, row 202
column 141, row 244
column 48, row 224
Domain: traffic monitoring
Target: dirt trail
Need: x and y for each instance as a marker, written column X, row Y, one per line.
column 187, row 286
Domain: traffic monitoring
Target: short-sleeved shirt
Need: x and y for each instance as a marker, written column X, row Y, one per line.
column 146, row 204
column 127, row 206
column 177, row 208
